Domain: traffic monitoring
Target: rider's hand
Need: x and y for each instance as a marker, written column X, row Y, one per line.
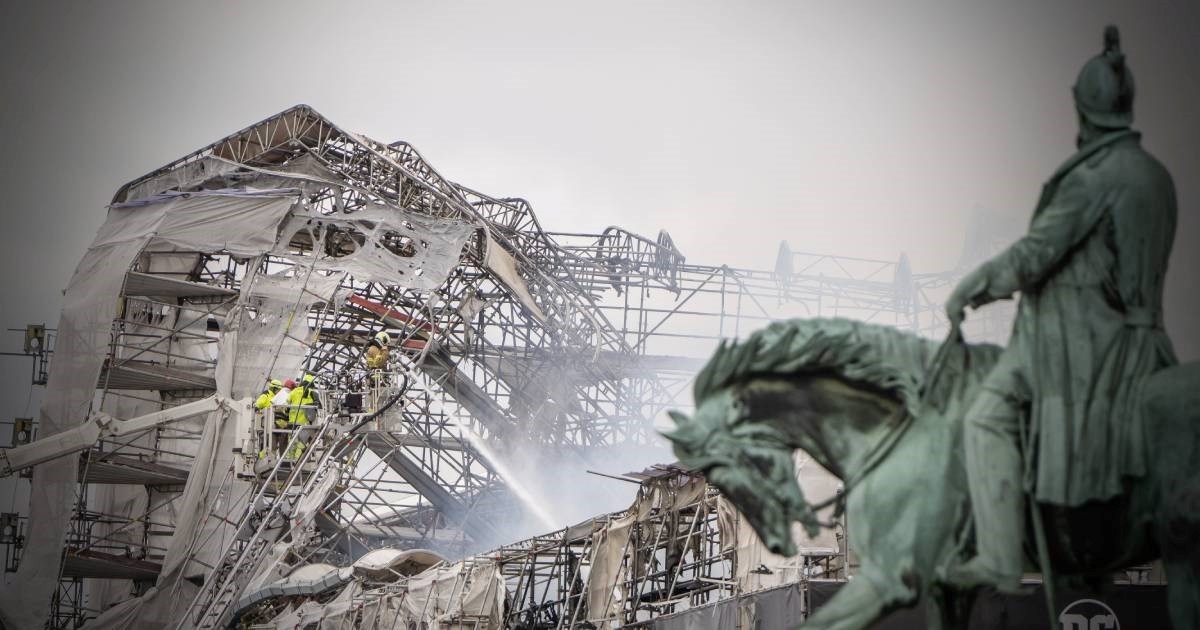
column 955, row 309
column 968, row 292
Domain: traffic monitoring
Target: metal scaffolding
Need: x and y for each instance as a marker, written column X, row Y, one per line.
column 535, row 339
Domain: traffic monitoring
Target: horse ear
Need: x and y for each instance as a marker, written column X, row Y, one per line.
column 679, row 418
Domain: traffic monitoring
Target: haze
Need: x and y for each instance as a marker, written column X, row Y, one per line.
column 859, row 129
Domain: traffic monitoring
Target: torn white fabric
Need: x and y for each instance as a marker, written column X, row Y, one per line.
column 183, row 176
column 610, row 544
column 750, row 554
column 213, row 172
column 504, row 266
column 241, row 222
column 274, row 324
column 207, row 516
column 818, row 485
column 316, row 497
column 339, row 613
column 89, row 306
column 444, row 597
column 605, row 581
column 378, row 243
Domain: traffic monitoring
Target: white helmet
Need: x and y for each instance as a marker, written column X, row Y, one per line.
column 383, row 338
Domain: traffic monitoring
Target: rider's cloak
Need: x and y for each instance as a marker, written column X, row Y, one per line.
column 1089, row 325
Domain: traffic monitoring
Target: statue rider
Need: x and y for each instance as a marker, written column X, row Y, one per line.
column 1089, row 328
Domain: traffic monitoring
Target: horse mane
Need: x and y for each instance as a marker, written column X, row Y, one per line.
column 879, row 356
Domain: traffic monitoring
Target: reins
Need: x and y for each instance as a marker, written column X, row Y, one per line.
column 899, row 422
column 931, row 393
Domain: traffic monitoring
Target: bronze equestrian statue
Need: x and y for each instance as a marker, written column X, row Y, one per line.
column 851, row 396
column 1084, row 420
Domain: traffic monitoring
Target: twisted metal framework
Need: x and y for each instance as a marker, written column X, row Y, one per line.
column 612, row 328
column 674, row 560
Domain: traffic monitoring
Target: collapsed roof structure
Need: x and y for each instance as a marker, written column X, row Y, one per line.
column 282, row 249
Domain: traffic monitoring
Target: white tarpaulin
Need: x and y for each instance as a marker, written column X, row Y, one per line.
column 338, row 614
column 610, row 544
column 442, row 598
column 605, row 583
column 274, row 325
column 242, row 224
column 192, row 349
column 380, row 244
column 211, row 172
column 504, row 266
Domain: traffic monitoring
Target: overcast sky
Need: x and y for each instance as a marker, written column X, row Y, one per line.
column 852, row 128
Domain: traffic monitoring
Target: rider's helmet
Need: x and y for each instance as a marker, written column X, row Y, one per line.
column 1104, row 87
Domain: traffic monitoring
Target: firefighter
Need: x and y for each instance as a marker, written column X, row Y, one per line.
column 264, row 399
column 377, row 358
column 378, row 352
column 301, row 401
column 261, row 404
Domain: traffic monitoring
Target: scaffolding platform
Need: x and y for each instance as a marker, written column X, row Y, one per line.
column 116, row 469
column 88, row 563
column 157, row 285
column 146, row 375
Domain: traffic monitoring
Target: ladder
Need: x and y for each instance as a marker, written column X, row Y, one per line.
column 213, row 605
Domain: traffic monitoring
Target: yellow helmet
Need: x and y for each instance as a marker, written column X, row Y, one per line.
column 275, row 385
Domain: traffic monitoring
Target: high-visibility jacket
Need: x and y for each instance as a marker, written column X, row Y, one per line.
column 295, row 451
column 377, row 357
column 264, row 400
column 303, row 395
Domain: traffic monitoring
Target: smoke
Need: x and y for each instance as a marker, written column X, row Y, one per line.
column 557, row 481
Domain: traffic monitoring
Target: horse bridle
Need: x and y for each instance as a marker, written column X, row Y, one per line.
column 899, row 422
column 931, row 393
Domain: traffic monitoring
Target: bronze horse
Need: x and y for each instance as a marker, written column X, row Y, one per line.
column 850, row 395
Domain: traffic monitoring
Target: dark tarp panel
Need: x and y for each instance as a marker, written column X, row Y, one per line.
column 1134, row 608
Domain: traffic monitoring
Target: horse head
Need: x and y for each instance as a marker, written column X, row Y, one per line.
column 750, row 462
column 821, row 386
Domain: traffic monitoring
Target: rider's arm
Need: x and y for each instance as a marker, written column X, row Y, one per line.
column 1077, row 207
